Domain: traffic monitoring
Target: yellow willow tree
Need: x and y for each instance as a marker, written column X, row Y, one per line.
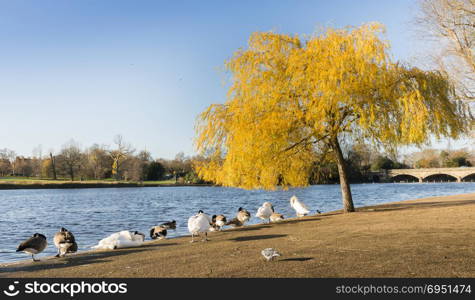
column 291, row 99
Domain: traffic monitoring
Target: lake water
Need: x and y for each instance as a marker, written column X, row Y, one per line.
column 92, row 214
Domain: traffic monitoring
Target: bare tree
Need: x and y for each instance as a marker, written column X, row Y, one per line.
column 37, row 160
column 119, row 155
column 53, row 165
column 98, row 161
column 452, row 24
column 4, row 162
column 71, row 157
column 11, row 156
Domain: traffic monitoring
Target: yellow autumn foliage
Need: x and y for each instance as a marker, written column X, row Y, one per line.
column 291, row 96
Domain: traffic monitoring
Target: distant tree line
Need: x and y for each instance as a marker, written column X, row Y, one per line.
column 121, row 161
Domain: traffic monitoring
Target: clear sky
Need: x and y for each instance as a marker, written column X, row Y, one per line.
column 88, row 70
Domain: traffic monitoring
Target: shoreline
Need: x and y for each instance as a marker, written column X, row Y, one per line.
column 428, row 237
column 85, row 185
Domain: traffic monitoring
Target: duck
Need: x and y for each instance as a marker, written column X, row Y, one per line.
column 300, row 208
column 65, row 242
column 217, row 222
column 265, row 211
column 241, row 217
column 198, row 224
column 158, row 232
column 169, row 225
column 276, row 217
column 122, row 239
column 33, row 245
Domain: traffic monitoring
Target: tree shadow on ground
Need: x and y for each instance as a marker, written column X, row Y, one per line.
column 291, row 221
column 257, row 237
column 416, row 205
column 158, row 244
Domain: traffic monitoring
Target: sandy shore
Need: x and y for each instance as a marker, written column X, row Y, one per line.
column 431, row 237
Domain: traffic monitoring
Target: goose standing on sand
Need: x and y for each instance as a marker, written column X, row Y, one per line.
column 241, row 217
column 276, row 217
column 65, row 242
column 34, row 245
column 158, row 232
column 198, row 224
column 217, row 222
column 300, row 208
column 122, row 239
column 265, row 211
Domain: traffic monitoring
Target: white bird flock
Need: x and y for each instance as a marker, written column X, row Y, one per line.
column 198, row 224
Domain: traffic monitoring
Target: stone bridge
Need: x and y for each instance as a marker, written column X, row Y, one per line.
column 421, row 174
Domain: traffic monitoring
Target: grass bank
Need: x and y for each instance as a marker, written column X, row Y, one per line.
column 431, row 237
column 16, row 183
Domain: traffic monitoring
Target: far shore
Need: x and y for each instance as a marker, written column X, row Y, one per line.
column 87, row 185
column 430, row 237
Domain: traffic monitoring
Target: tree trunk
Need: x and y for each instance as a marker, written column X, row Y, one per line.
column 71, row 172
column 344, row 184
column 53, row 164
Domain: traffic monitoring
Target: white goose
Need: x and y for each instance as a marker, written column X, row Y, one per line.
column 122, row 239
column 198, row 224
column 265, row 211
column 300, row 208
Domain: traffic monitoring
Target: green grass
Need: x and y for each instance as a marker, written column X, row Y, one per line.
column 46, row 181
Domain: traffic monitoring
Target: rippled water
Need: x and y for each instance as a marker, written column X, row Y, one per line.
column 92, row 214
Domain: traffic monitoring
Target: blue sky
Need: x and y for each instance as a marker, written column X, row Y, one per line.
column 88, row 70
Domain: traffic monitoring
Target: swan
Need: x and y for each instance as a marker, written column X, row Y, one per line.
column 33, row 245
column 65, row 242
column 217, row 222
column 300, row 208
column 122, row 239
column 199, row 223
column 265, row 211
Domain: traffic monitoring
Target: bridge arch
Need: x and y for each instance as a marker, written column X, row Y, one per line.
column 440, row 177
column 404, row 178
column 469, row 178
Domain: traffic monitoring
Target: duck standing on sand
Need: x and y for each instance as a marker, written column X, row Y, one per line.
column 65, row 242
column 241, row 217
column 217, row 222
column 198, row 224
column 265, row 211
column 158, row 232
column 300, row 208
column 33, row 245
